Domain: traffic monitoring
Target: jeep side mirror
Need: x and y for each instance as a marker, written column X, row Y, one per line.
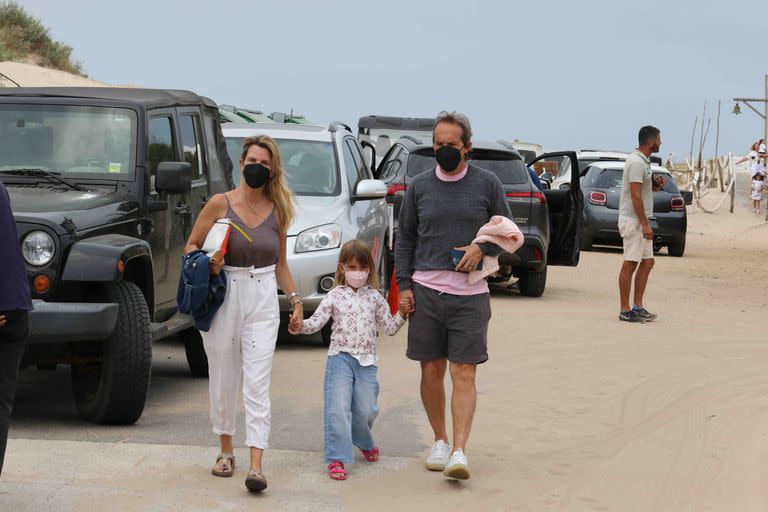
column 173, row 177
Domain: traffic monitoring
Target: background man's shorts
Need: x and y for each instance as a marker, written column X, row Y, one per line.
column 448, row 326
column 636, row 248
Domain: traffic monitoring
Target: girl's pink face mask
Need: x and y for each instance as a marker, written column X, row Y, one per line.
column 356, row 278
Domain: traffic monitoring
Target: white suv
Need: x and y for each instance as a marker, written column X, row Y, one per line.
column 337, row 200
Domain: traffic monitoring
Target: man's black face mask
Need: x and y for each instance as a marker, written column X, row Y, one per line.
column 448, row 158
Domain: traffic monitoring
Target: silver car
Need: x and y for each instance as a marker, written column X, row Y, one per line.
column 337, row 200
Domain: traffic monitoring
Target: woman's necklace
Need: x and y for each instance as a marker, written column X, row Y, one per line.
column 248, row 204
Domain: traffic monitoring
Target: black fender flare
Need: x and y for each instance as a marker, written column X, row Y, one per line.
column 99, row 258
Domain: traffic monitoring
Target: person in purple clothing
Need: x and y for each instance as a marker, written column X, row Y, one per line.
column 15, row 302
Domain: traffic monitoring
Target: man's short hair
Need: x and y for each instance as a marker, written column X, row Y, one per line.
column 647, row 134
column 458, row 119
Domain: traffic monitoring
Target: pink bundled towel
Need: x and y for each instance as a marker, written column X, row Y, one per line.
column 502, row 232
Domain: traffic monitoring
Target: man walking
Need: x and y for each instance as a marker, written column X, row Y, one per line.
column 635, row 208
column 15, row 301
column 443, row 210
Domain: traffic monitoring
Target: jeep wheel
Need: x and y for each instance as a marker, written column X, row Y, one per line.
column 114, row 390
column 532, row 282
column 196, row 357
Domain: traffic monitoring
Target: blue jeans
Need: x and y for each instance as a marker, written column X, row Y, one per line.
column 351, row 392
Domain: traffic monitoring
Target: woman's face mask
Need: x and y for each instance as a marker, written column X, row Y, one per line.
column 256, row 175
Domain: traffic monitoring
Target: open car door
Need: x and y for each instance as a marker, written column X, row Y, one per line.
column 565, row 208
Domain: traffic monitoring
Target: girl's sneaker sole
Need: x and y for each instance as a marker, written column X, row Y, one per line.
column 457, row 471
column 434, row 467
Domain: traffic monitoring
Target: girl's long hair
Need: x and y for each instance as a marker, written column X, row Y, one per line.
column 276, row 189
column 359, row 251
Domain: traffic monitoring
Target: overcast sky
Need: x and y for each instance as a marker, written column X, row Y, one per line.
column 565, row 74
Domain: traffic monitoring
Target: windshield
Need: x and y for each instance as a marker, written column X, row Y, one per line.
column 78, row 142
column 611, row 178
column 310, row 166
column 509, row 168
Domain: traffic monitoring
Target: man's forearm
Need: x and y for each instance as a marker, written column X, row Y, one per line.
column 637, row 204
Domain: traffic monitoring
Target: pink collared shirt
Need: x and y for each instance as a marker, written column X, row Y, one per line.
column 449, row 281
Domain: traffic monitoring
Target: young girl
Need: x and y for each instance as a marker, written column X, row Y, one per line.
column 351, row 388
column 757, row 191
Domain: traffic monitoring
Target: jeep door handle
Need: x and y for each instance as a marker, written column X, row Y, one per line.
column 182, row 209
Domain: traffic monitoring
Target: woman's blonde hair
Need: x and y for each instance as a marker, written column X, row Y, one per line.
column 276, row 189
column 359, row 251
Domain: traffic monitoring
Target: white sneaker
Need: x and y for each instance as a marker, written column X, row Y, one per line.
column 438, row 457
column 457, row 466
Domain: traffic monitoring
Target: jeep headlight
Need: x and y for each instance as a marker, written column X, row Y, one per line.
column 38, row 248
column 320, row 238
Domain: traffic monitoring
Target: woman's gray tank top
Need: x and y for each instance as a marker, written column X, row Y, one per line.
column 263, row 251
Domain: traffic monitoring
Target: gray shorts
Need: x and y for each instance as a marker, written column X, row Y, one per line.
column 448, row 326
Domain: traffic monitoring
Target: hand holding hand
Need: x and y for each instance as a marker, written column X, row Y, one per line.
column 297, row 319
column 473, row 255
column 407, row 303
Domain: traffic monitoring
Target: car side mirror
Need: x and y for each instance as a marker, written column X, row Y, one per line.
column 372, row 161
column 367, row 190
column 546, row 176
column 173, row 177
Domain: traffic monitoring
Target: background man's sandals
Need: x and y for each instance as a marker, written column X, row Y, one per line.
column 255, row 481
column 225, row 465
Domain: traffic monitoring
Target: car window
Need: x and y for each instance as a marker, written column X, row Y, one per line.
column 160, row 143
column 669, row 184
column 509, row 168
column 190, row 142
column 350, row 167
column 363, row 171
column 85, row 142
column 310, row 166
column 611, row 178
column 393, row 165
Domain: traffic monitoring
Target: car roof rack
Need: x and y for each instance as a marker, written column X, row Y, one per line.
column 338, row 125
column 506, row 144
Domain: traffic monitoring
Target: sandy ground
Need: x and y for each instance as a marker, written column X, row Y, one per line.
column 577, row 411
column 31, row 75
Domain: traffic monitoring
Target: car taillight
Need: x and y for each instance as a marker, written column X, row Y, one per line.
column 528, row 195
column 396, row 190
column 598, row 198
column 678, row 204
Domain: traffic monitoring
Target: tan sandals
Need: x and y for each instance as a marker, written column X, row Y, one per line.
column 255, row 481
column 225, row 465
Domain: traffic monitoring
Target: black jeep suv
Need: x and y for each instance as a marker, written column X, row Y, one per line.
column 550, row 219
column 105, row 184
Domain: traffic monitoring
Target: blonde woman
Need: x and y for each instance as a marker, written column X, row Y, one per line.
column 241, row 341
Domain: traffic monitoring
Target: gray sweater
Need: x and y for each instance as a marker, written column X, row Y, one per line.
column 437, row 216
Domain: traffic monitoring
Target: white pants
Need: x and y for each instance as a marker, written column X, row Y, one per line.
column 240, row 346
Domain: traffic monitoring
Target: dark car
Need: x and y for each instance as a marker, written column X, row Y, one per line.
column 550, row 220
column 601, row 184
column 105, row 184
